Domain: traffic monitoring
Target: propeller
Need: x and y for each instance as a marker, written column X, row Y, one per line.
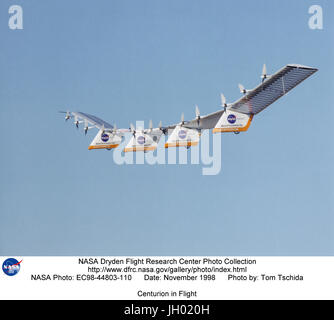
column 163, row 130
column 198, row 114
column 242, row 89
column 150, row 127
column 223, row 102
column 76, row 121
column 132, row 129
column 86, row 126
column 182, row 118
column 264, row 73
column 67, row 116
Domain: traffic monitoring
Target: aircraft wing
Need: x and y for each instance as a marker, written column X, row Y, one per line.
column 259, row 98
column 93, row 120
column 273, row 88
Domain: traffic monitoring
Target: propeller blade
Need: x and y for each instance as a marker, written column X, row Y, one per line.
column 151, row 125
column 182, row 118
column 67, row 116
column 86, row 126
column 164, row 130
column 198, row 114
column 264, row 72
column 223, row 101
column 76, row 122
column 132, row 128
column 242, row 88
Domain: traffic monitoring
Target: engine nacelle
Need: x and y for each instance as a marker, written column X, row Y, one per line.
column 144, row 141
column 232, row 121
column 183, row 137
column 106, row 140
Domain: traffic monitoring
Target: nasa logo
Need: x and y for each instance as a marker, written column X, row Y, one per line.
column 182, row 134
column 231, row 118
column 104, row 137
column 141, row 140
column 11, row 266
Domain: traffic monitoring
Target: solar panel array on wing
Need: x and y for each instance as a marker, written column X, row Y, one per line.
column 272, row 89
column 94, row 120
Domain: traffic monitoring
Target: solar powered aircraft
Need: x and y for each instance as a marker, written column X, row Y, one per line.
column 233, row 117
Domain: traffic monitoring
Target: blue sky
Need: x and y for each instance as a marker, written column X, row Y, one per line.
column 127, row 60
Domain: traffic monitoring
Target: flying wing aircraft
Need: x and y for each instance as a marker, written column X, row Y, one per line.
column 234, row 117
